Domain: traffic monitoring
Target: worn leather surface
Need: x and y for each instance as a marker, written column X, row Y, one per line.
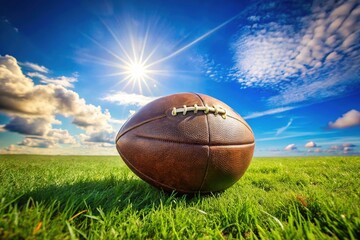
column 187, row 153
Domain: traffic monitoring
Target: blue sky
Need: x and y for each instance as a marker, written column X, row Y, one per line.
column 71, row 73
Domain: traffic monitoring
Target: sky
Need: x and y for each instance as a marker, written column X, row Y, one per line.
column 72, row 72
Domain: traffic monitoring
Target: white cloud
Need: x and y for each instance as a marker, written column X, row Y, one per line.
column 122, row 121
column 74, row 149
column 30, row 126
column 268, row 112
column 344, row 148
column 117, row 121
column 37, row 142
column 262, row 56
column 11, row 148
column 66, row 82
column 314, row 150
column 310, row 144
column 339, row 145
column 290, row 147
column 123, row 98
column 61, row 136
column 9, row 24
column 92, row 118
column 36, row 75
column 20, row 97
column 316, row 90
column 338, row 141
column 35, row 67
column 107, row 145
column 349, row 119
column 283, row 129
column 33, row 108
column 254, row 18
column 335, row 147
column 215, row 71
column 105, row 136
column 348, row 145
column 300, row 57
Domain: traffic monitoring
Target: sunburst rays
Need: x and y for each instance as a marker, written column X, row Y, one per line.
column 135, row 57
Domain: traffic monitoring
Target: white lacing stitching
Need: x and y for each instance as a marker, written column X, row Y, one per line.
column 214, row 109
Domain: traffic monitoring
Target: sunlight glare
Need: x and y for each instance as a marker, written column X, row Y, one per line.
column 135, row 59
column 137, row 71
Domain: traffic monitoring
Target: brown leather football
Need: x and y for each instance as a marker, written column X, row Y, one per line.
column 187, row 142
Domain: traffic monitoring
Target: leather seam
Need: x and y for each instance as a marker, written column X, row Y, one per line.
column 195, row 144
column 143, row 177
column 208, row 155
column 139, row 124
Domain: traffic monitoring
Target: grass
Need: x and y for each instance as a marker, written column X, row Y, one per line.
column 81, row 197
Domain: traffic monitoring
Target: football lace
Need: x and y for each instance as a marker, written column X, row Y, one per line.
column 214, row 109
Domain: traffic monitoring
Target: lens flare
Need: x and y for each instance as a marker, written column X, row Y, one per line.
column 137, row 71
column 135, row 58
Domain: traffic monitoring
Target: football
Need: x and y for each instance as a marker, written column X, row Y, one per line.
column 188, row 143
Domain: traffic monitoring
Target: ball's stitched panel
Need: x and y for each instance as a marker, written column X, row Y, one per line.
column 186, row 152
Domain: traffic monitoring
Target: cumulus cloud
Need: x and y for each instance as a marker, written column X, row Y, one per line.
column 92, row 119
column 123, row 98
column 64, row 81
column 11, row 149
column 61, row 136
column 314, row 150
column 290, row 147
column 335, row 148
column 301, row 57
column 107, row 145
column 73, row 149
column 348, row 145
column 33, row 108
column 20, row 97
column 37, row 142
column 51, row 139
column 29, row 126
column 99, row 137
column 35, row 67
column 349, row 119
column 345, row 148
column 310, row 144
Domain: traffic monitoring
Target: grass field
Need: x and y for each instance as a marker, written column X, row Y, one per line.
column 70, row 197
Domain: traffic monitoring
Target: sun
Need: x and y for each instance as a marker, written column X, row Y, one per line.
column 137, row 74
column 134, row 59
column 139, row 57
column 137, row 71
